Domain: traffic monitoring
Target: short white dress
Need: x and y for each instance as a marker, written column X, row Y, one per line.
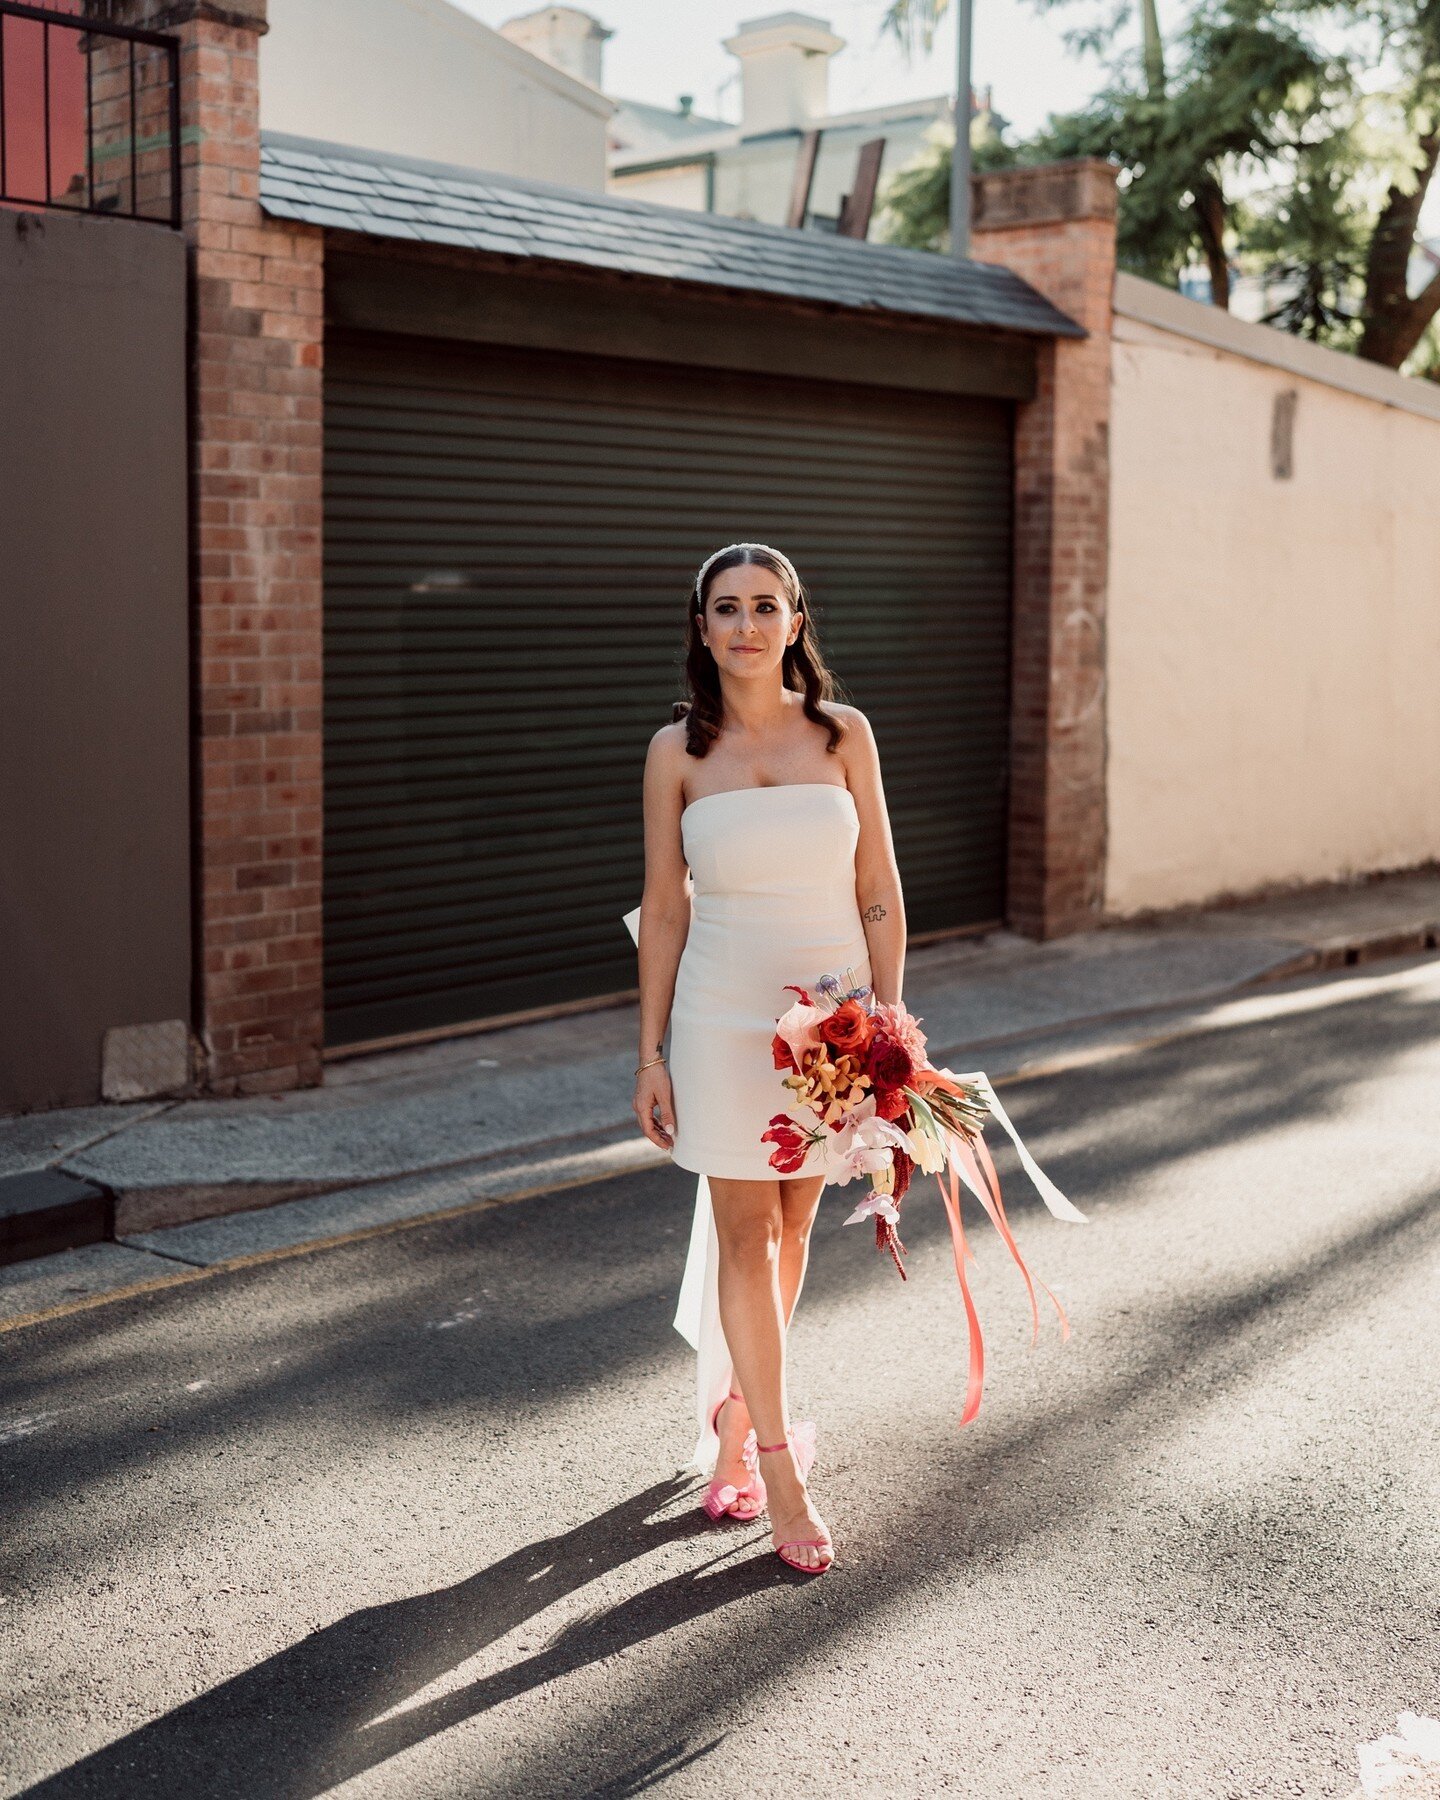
column 774, row 902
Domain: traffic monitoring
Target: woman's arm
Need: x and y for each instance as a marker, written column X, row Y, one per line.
column 877, row 879
column 665, row 899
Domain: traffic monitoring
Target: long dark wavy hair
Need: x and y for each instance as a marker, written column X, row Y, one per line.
column 803, row 670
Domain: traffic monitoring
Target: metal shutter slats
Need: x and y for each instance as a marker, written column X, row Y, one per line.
column 509, row 540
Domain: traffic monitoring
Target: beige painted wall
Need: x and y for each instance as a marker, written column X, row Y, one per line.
column 1273, row 645
column 421, row 78
column 685, row 186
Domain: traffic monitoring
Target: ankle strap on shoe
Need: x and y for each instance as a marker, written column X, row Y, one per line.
column 784, row 1446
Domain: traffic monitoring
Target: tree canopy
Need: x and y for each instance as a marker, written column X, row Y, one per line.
column 1292, row 140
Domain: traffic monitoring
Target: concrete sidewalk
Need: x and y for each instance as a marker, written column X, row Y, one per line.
column 533, row 1107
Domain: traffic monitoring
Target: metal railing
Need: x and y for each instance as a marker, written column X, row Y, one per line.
column 89, row 115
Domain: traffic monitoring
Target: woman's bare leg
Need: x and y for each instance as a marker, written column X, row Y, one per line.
column 799, row 1203
column 749, row 1224
column 751, row 1227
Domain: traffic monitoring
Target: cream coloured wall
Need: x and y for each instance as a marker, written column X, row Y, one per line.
column 1273, row 654
column 422, row 78
column 686, row 185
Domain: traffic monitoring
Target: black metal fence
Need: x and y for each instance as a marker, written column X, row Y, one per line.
column 89, row 114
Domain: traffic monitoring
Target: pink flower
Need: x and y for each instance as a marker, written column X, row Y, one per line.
column 874, row 1205
column 798, row 1029
column 864, row 1145
column 904, row 1027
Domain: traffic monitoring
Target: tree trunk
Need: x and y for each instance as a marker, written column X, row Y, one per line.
column 1210, row 221
column 1392, row 321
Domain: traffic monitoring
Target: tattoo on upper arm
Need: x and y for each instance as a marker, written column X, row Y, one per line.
column 877, row 911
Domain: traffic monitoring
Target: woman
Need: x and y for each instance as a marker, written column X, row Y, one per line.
column 770, row 792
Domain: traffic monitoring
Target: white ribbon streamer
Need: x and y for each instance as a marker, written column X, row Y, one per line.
column 1044, row 1186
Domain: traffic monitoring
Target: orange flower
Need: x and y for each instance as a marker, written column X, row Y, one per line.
column 848, row 1029
column 830, row 1086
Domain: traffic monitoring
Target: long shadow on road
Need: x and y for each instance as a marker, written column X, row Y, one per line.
column 297, row 1724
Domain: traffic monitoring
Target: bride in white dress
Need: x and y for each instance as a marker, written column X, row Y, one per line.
column 768, row 792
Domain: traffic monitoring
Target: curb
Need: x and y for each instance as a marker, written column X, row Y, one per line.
column 603, row 1155
column 1350, row 952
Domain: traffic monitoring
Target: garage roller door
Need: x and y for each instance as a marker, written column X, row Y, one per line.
column 509, row 538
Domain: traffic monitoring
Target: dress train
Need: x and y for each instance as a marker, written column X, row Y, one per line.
column 697, row 1312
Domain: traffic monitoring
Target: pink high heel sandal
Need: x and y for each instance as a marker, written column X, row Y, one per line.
column 723, row 1498
column 801, row 1439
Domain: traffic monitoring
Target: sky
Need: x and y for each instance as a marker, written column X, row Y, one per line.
column 663, row 48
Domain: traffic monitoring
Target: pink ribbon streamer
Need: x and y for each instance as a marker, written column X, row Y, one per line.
column 973, row 1157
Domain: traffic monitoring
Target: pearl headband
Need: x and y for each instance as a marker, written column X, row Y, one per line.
column 715, row 556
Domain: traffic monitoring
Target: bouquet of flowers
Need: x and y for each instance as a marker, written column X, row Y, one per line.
column 864, row 1093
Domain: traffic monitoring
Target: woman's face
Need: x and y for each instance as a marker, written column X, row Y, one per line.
column 748, row 620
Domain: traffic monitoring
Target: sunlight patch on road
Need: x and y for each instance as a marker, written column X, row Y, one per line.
column 1403, row 1764
column 12, row 1430
column 1414, row 986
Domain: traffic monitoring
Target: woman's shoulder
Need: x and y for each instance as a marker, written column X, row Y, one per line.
column 667, row 748
column 669, row 740
column 857, row 752
column 849, row 716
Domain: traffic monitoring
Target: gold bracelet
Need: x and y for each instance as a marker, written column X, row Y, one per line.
column 651, row 1064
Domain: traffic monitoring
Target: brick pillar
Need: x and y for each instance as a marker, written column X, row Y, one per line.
column 257, row 304
column 1055, row 225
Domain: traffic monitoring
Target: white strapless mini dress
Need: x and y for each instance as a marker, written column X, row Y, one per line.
column 773, row 871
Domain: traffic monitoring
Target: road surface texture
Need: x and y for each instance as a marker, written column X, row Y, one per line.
column 402, row 1518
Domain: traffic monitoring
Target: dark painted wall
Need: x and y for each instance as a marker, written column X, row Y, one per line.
column 94, row 660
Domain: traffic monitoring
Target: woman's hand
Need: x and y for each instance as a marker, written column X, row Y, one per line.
column 652, row 1095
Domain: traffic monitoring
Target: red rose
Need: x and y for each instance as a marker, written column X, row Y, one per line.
column 848, row 1029
column 792, row 1145
column 783, row 1054
column 887, row 1062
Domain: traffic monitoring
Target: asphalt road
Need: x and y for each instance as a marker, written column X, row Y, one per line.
column 402, row 1518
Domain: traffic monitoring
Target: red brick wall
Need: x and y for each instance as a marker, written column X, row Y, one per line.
column 1056, row 227
column 258, row 303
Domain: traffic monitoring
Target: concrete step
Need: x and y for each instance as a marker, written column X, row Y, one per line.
column 45, row 1210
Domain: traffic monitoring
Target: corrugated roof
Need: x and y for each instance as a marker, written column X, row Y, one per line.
column 436, row 203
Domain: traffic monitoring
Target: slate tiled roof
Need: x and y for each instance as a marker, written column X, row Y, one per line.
column 435, row 203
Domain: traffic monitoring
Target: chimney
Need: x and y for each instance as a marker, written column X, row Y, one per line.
column 784, row 70
column 563, row 36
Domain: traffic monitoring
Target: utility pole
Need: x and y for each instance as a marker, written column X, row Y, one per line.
column 1154, row 50
column 960, row 165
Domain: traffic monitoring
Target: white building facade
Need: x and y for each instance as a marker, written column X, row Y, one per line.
column 422, row 78
column 747, row 170
column 675, row 156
